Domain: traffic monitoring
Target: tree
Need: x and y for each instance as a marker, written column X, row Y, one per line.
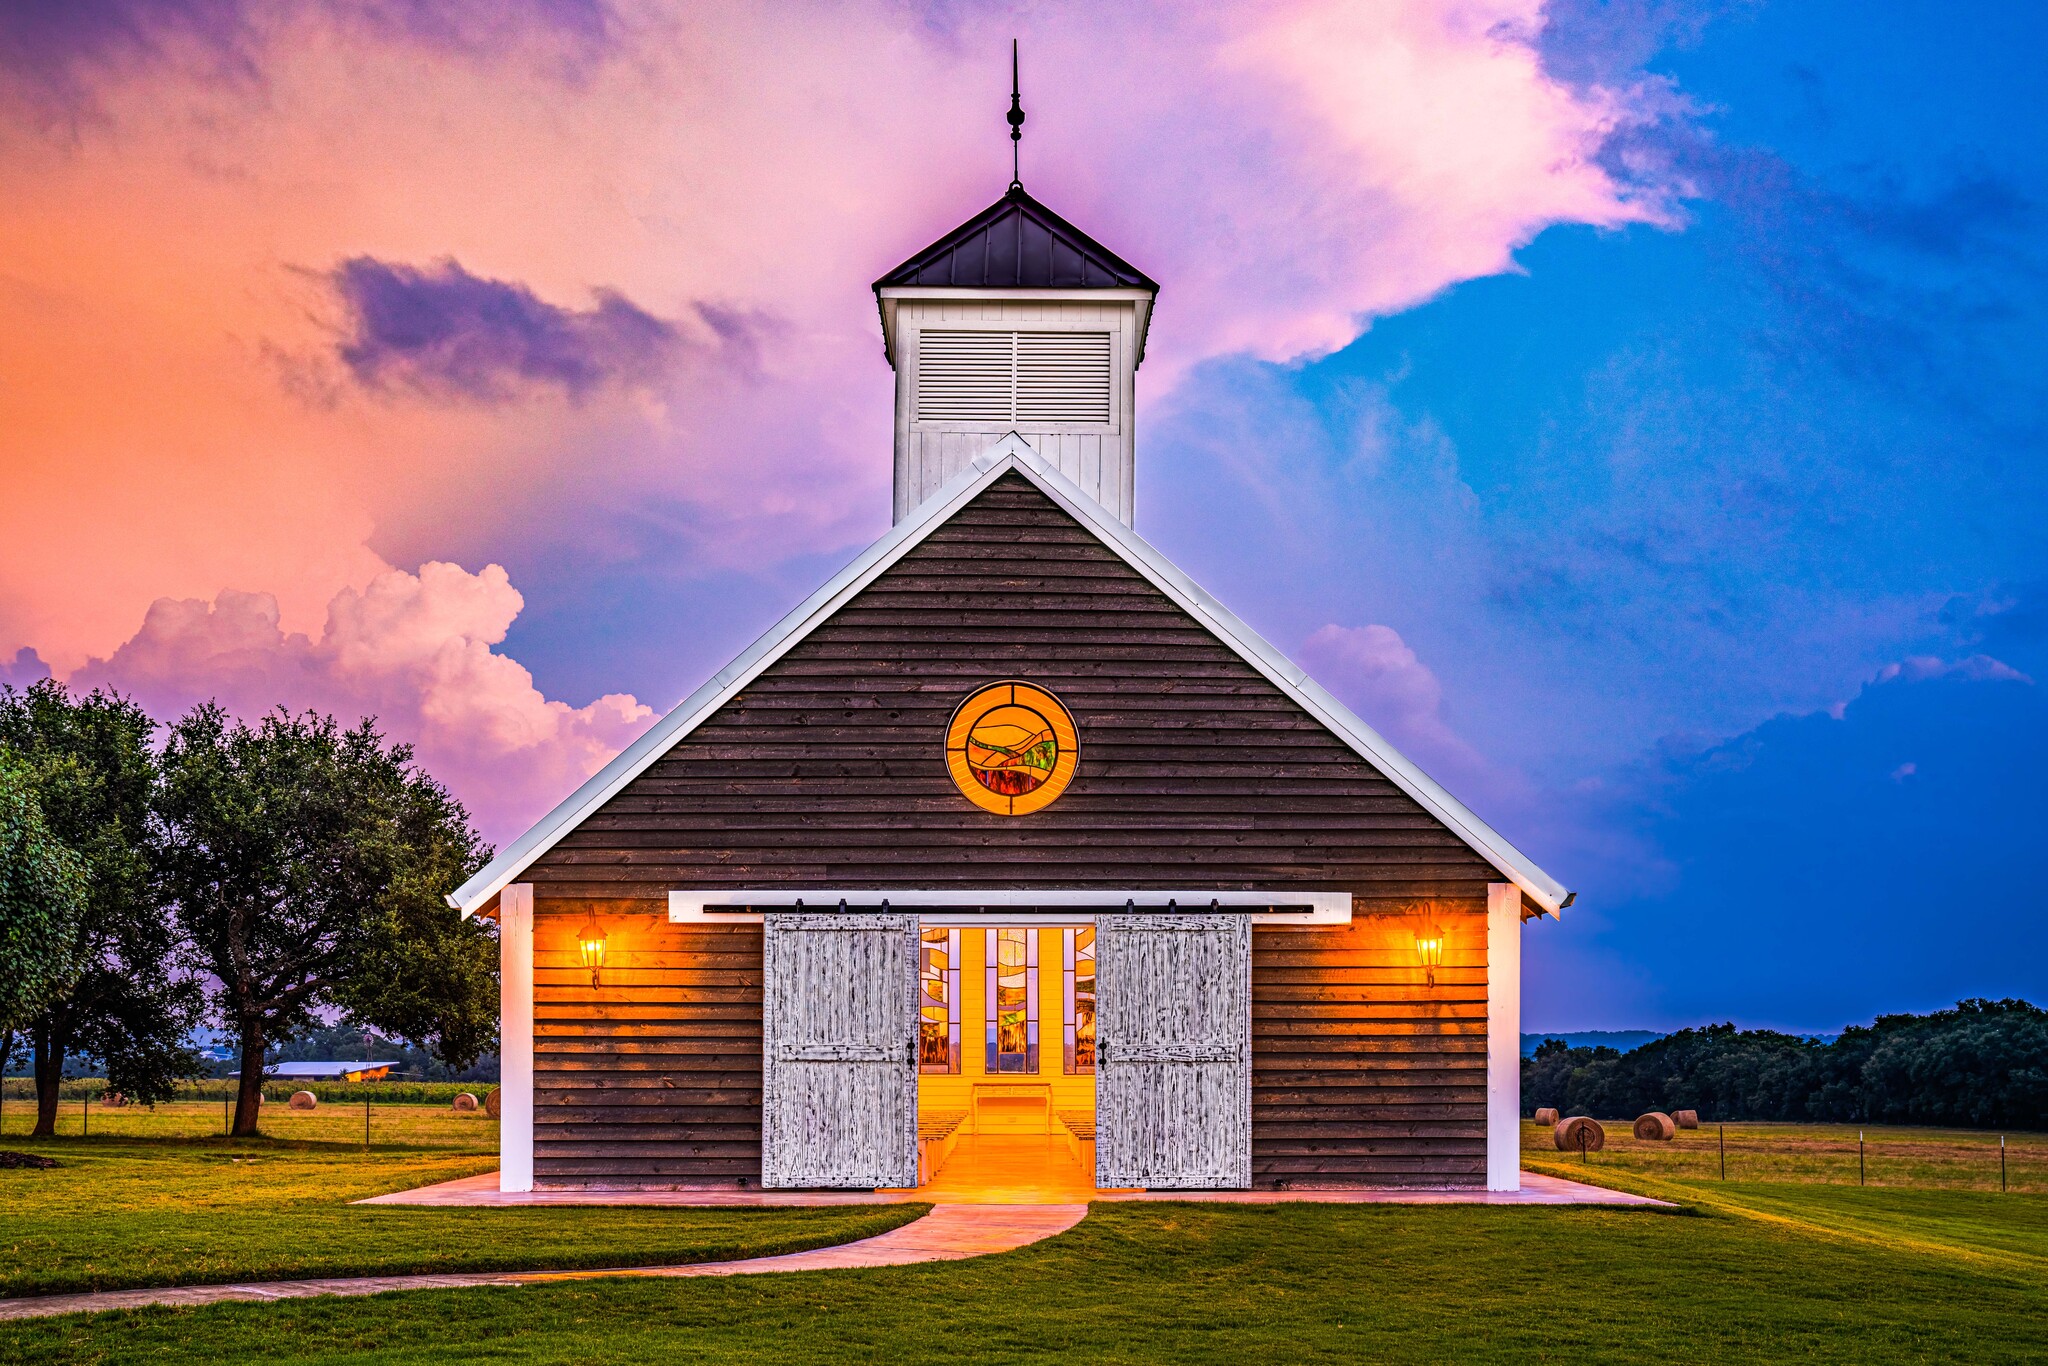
column 309, row 867
column 42, row 899
column 128, row 1010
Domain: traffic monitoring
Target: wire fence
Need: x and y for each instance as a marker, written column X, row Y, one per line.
column 96, row 1090
column 1803, row 1154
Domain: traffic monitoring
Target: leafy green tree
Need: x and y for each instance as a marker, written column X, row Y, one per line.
column 309, row 867
column 42, row 899
column 128, row 1010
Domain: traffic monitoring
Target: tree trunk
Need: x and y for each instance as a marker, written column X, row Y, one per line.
column 49, row 1054
column 249, row 1093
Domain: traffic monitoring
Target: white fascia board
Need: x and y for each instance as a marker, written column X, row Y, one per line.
column 666, row 733
column 1007, row 454
column 1546, row 891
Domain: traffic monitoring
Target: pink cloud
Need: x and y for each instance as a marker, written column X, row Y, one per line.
column 416, row 652
column 1378, row 676
column 1289, row 169
column 1971, row 669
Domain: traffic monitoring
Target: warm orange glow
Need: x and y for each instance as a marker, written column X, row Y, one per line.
column 591, row 941
column 1429, row 950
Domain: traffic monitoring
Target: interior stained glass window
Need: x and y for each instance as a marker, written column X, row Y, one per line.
column 1079, row 974
column 1012, row 1000
column 938, row 1002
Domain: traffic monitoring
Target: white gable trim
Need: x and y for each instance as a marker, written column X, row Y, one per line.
column 1011, row 453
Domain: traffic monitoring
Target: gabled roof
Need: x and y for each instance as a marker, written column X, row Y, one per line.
column 1010, row 454
column 1018, row 243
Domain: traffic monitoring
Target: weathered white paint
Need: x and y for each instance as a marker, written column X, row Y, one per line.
column 975, row 905
column 1095, row 455
column 1503, row 1037
column 515, row 1037
column 839, row 1050
column 1173, row 1060
column 1001, row 458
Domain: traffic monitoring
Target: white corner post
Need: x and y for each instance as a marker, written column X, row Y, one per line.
column 515, row 1037
column 1503, row 1037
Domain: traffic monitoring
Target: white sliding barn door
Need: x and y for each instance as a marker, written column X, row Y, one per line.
column 1173, row 1061
column 839, row 1050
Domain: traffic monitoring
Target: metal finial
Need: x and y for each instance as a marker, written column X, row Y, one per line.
column 1016, row 120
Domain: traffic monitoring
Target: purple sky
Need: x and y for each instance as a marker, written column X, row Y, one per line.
column 1635, row 410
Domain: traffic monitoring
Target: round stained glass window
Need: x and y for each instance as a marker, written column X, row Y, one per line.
column 1011, row 748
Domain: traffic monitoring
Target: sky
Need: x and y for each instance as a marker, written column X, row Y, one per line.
column 1635, row 410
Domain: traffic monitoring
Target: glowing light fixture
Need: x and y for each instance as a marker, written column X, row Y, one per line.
column 591, row 940
column 1429, row 949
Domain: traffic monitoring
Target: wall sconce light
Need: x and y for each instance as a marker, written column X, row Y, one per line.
column 591, row 940
column 1429, row 950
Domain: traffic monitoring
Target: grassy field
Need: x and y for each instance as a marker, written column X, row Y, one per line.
column 1937, row 1159
column 1749, row 1270
column 158, row 1198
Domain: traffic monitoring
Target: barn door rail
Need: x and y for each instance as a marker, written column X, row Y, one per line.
column 976, row 905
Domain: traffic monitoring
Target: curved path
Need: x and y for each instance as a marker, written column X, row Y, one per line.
column 948, row 1233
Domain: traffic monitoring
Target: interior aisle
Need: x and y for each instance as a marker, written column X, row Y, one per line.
column 1010, row 1169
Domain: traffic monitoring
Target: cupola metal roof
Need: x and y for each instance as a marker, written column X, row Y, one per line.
column 1017, row 243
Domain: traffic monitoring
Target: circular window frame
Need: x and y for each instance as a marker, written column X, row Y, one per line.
column 1012, row 692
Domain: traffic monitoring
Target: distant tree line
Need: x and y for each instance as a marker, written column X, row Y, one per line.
column 1982, row 1065
column 265, row 879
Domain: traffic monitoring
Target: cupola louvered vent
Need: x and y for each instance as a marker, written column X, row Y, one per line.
column 1026, row 377
column 967, row 377
column 1063, row 377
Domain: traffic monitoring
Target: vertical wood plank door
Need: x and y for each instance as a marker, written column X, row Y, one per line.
column 839, row 1050
column 1173, row 1060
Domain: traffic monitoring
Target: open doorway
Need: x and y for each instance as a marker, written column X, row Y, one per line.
column 1006, row 1062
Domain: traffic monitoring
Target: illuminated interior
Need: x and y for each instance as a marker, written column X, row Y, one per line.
column 1006, row 1061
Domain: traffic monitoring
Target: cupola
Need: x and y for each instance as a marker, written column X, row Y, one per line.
column 1016, row 321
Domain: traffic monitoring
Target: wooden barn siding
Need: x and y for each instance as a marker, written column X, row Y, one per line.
column 1362, row 1074
column 828, row 770
column 1195, row 771
column 654, row 1076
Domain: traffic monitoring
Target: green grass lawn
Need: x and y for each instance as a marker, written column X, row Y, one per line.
column 160, row 1199
column 1748, row 1271
column 1202, row 1283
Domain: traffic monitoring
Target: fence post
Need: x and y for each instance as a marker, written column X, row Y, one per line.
column 1724, row 1151
column 1859, row 1157
column 2001, row 1164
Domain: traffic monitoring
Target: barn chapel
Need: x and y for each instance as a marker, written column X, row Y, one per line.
column 1010, row 850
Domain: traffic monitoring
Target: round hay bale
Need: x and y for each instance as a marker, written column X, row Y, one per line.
column 1547, row 1117
column 1656, row 1126
column 1686, row 1119
column 465, row 1102
column 1571, row 1133
column 491, row 1102
column 305, row 1100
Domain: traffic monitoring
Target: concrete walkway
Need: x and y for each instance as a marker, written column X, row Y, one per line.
column 949, row 1233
